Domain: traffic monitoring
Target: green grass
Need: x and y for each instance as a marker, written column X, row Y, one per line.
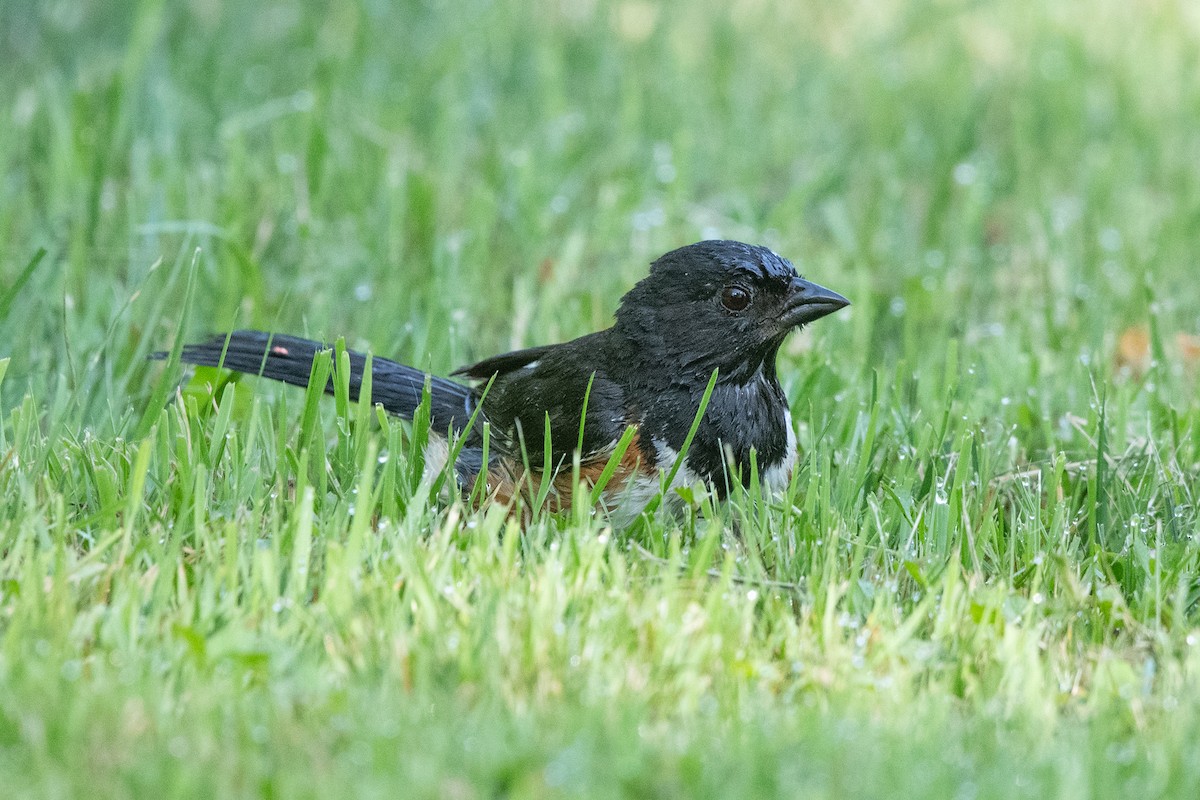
column 983, row 582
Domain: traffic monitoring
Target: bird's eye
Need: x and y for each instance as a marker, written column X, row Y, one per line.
column 735, row 298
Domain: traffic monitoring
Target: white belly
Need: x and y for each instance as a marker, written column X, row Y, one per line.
column 777, row 476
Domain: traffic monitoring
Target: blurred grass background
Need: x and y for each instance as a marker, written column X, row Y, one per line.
column 1007, row 191
column 996, row 172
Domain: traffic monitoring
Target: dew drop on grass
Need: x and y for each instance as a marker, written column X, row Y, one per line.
column 1121, row 753
column 1110, row 239
column 965, row 173
column 71, row 670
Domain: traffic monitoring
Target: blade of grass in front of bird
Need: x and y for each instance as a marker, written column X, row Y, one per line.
column 312, row 439
column 577, row 456
column 362, row 410
column 480, row 489
column 341, row 378
column 614, row 460
column 459, row 441
column 216, row 443
column 419, row 438
column 341, row 405
column 390, row 481
column 548, row 467
column 519, row 490
column 158, row 398
column 657, row 500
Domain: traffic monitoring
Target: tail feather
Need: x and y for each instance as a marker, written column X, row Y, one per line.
column 397, row 387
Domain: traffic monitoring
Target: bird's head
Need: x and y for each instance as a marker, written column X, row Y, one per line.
column 721, row 305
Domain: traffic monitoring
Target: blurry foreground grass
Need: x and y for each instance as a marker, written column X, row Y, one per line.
column 983, row 582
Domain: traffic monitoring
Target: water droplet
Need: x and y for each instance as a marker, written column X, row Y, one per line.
column 965, row 173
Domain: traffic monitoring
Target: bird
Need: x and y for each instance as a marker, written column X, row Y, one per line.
column 714, row 312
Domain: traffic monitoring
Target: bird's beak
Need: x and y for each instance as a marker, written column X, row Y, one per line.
column 807, row 302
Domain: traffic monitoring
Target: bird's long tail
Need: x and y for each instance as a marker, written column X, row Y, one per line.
column 397, row 387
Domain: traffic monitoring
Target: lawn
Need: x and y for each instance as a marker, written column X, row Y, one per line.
column 983, row 581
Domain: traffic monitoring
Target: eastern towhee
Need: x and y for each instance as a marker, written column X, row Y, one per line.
column 718, row 306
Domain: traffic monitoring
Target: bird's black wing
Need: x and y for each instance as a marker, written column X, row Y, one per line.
column 503, row 363
column 529, row 387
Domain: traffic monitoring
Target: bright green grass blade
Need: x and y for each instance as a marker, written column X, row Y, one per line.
column 162, row 388
column 656, row 501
